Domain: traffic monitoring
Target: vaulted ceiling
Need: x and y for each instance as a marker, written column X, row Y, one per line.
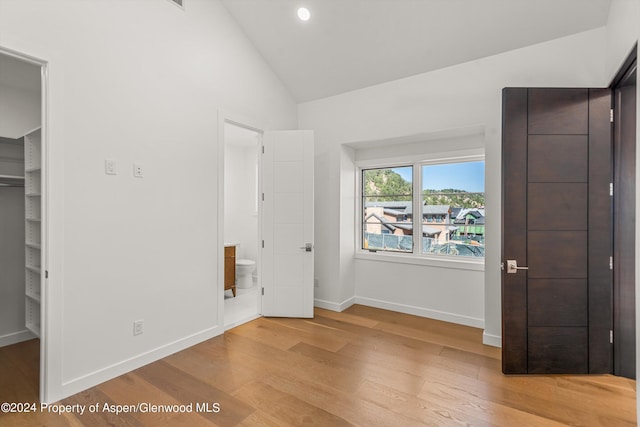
column 352, row 44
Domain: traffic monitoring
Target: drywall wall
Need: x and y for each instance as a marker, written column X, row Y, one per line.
column 449, row 294
column 622, row 32
column 19, row 97
column 139, row 81
column 19, row 110
column 12, row 325
column 12, row 156
column 12, row 253
column 462, row 96
column 240, row 199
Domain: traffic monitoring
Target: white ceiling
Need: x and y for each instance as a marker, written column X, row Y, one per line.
column 351, row 44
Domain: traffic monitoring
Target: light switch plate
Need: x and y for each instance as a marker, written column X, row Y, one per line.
column 110, row 167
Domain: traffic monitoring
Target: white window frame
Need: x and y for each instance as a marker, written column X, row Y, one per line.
column 416, row 257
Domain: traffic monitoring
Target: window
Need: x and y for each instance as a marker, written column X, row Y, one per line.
column 434, row 208
column 387, row 198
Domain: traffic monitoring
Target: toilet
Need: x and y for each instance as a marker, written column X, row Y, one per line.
column 244, row 273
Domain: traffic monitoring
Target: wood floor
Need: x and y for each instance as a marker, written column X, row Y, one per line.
column 365, row 367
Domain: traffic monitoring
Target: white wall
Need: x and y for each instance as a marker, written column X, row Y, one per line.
column 623, row 26
column 135, row 81
column 12, row 157
column 19, row 110
column 12, row 252
column 461, row 96
column 12, row 325
column 449, row 294
column 240, row 215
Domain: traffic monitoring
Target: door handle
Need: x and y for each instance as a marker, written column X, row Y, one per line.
column 307, row 247
column 512, row 266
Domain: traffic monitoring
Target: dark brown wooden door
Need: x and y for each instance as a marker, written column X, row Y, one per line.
column 556, row 217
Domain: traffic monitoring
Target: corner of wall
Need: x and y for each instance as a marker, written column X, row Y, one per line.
column 339, row 307
column 492, row 340
column 622, row 32
column 347, row 223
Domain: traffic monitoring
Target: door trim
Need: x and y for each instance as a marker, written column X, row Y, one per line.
column 624, row 320
column 624, row 69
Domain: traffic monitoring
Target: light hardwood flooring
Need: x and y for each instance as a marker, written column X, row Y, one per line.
column 365, row 367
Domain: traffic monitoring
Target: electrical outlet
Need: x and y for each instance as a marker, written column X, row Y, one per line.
column 138, row 327
column 138, row 170
column 110, row 167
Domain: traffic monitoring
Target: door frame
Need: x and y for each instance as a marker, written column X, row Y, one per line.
column 623, row 72
column 46, row 313
column 240, row 121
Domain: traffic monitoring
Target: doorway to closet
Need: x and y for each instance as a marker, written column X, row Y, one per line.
column 242, row 224
column 22, row 221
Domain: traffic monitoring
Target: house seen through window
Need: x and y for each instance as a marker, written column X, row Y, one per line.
column 429, row 209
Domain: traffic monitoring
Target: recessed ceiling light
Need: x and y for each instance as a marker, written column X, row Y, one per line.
column 304, row 14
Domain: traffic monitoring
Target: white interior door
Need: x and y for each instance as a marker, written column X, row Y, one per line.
column 287, row 232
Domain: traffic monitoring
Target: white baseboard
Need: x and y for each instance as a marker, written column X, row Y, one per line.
column 492, row 340
column 16, row 337
column 333, row 306
column 92, row 379
column 423, row 312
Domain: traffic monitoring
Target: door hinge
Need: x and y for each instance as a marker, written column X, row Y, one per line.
column 262, row 291
column 611, row 115
column 611, row 189
column 263, row 149
column 263, row 244
column 263, row 197
column 610, row 336
column 610, row 263
column 46, row 274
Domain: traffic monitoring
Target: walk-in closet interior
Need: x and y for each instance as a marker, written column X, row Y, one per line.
column 21, row 194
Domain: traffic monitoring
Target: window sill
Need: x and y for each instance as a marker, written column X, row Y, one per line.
column 428, row 261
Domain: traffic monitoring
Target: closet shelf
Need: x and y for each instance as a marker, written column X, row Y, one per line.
column 33, row 214
column 33, row 268
column 34, row 296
